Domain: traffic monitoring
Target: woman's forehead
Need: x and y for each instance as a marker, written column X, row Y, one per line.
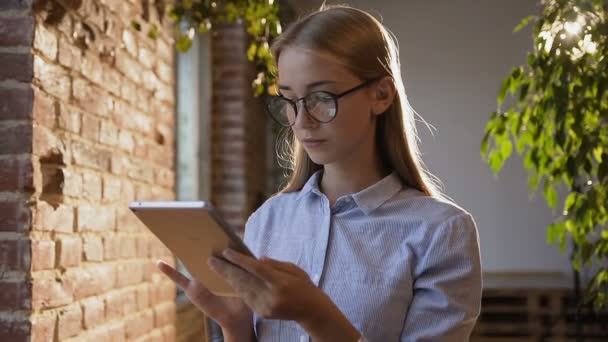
column 299, row 67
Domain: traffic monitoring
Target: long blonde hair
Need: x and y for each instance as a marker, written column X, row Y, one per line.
column 369, row 51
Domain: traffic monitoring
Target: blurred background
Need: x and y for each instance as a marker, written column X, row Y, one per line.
column 95, row 111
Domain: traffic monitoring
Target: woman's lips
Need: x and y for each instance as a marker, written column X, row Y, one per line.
column 312, row 143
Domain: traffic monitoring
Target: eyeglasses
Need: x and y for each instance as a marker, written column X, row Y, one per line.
column 322, row 106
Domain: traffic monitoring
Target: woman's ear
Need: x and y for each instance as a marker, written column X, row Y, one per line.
column 384, row 94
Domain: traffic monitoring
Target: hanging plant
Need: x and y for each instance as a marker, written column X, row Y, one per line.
column 261, row 20
column 559, row 121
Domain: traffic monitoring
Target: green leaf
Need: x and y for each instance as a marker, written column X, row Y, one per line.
column 550, row 194
column 183, row 43
column 506, row 148
column 555, row 231
column 506, row 84
column 153, row 33
column 495, row 160
column 524, row 23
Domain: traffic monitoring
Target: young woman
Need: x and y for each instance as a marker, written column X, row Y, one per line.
column 360, row 245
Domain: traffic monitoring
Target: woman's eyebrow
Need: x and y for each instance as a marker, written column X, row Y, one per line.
column 309, row 86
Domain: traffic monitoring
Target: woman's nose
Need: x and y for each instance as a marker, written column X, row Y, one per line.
column 303, row 119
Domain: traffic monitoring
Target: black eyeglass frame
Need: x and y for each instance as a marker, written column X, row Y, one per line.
column 294, row 103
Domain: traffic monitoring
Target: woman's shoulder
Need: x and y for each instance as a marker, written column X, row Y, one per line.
column 275, row 203
column 435, row 210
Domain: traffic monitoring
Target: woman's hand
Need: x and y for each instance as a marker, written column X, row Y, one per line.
column 230, row 313
column 282, row 290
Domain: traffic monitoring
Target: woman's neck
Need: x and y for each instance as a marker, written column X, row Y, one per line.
column 340, row 180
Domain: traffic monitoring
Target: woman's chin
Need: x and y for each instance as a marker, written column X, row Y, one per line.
column 320, row 158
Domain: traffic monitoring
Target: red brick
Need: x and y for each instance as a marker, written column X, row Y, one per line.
column 93, row 311
column 116, row 332
column 16, row 31
column 164, row 314
column 16, row 66
column 47, row 144
column 155, row 335
column 15, row 216
column 16, row 103
column 52, row 79
column 146, row 57
column 90, row 127
column 164, row 177
column 45, row 41
column 91, row 69
column 69, row 321
column 111, row 188
column 91, row 99
column 165, row 72
column 128, row 90
column 43, row 327
column 143, row 99
column 125, row 141
column 141, row 171
column 129, row 273
column 43, row 255
column 93, row 248
column 150, row 81
column 164, row 50
column 15, row 4
column 128, row 191
column 16, row 139
column 60, row 219
column 162, row 291
column 91, row 280
column 139, row 324
column 130, row 43
column 91, row 186
column 16, row 175
column 142, row 297
column 169, row 334
column 15, row 295
column 69, row 251
column 44, row 110
column 14, row 328
column 95, row 218
column 93, row 13
column 90, row 156
column 69, row 55
column 142, row 246
column 72, row 185
column 126, row 221
column 111, row 247
column 50, row 293
column 108, row 133
column 69, row 119
column 15, row 255
column 120, row 304
column 141, row 149
column 128, row 66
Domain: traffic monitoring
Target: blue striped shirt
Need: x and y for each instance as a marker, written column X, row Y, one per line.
column 400, row 265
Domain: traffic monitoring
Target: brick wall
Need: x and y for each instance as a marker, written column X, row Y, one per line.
column 86, row 124
column 239, row 134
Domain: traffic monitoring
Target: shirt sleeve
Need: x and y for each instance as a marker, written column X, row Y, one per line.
column 447, row 285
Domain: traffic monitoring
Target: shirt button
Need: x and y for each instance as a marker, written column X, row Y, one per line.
column 316, row 278
column 303, row 338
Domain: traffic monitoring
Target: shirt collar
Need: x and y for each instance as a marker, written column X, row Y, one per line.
column 368, row 199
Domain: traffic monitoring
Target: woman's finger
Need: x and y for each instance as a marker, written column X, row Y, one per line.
column 173, row 274
column 239, row 279
column 282, row 266
column 251, row 265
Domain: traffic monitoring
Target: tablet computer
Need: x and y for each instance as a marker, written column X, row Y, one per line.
column 193, row 231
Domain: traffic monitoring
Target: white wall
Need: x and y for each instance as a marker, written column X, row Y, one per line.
column 455, row 54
